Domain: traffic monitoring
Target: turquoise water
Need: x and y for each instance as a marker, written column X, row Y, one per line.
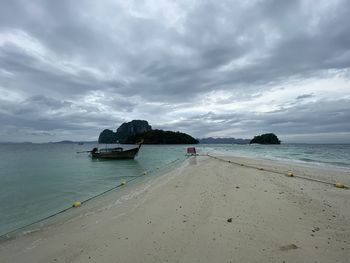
column 334, row 155
column 38, row 180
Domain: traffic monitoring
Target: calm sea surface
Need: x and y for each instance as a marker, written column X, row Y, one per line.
column 314, row 154
column 38, row 180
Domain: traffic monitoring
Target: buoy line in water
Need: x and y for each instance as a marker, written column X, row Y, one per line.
column 290, row 174
column 77, row 204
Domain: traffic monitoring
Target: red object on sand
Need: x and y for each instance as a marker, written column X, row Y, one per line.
column 191, row 150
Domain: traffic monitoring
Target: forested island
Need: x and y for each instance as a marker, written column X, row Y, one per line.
column 134, row 131
column 162, row 137
column 267, row 138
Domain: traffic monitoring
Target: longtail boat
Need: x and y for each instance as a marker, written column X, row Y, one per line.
column 115, row 153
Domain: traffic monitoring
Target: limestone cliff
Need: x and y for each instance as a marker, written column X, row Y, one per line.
column 125, row 130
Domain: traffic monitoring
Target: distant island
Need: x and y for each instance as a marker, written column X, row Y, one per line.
column 267, row 138
column 72, row 142
column 64, row 142
column 134, row 131
column 211, row 140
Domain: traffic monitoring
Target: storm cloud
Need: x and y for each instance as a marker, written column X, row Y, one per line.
column 69, row 69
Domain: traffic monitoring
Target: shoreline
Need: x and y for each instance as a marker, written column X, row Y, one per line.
column 309, row 164
column 93, row 203
column 183, row 216
column 326, row 172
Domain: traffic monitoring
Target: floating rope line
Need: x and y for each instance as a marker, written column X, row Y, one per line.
column 290, row 174
column 78, row 204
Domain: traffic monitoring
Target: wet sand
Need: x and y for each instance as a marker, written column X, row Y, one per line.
column 207, row 210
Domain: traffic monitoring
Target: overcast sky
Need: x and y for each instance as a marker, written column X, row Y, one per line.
column 69, row 69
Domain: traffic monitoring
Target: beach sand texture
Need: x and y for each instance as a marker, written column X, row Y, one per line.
column 207, row 210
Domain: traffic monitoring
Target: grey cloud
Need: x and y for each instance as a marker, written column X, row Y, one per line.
column 304, row 96
column 211, row 44
column 33, row 76
column 47, row 114
column 267, row 43
column 300, row 119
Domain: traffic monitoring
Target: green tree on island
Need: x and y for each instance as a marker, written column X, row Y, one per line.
column 267, row 138
column 162, row 137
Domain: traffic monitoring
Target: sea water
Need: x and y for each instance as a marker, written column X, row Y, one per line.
column 38, row 180
column 331, row 155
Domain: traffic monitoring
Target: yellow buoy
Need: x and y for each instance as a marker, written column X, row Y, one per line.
column 339, row 185
column 123, row 183
column 290, row 174
column 77, row 204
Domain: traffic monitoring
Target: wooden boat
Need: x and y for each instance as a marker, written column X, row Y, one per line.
column 115, row 153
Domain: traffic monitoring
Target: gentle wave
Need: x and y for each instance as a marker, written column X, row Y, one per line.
column 326, row 155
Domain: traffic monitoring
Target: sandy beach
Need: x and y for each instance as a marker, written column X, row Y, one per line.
column 205, row 210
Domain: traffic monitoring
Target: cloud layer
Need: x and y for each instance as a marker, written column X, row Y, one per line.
column 69, row 69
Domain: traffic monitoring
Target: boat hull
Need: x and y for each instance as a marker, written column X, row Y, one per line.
column 128, row 154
